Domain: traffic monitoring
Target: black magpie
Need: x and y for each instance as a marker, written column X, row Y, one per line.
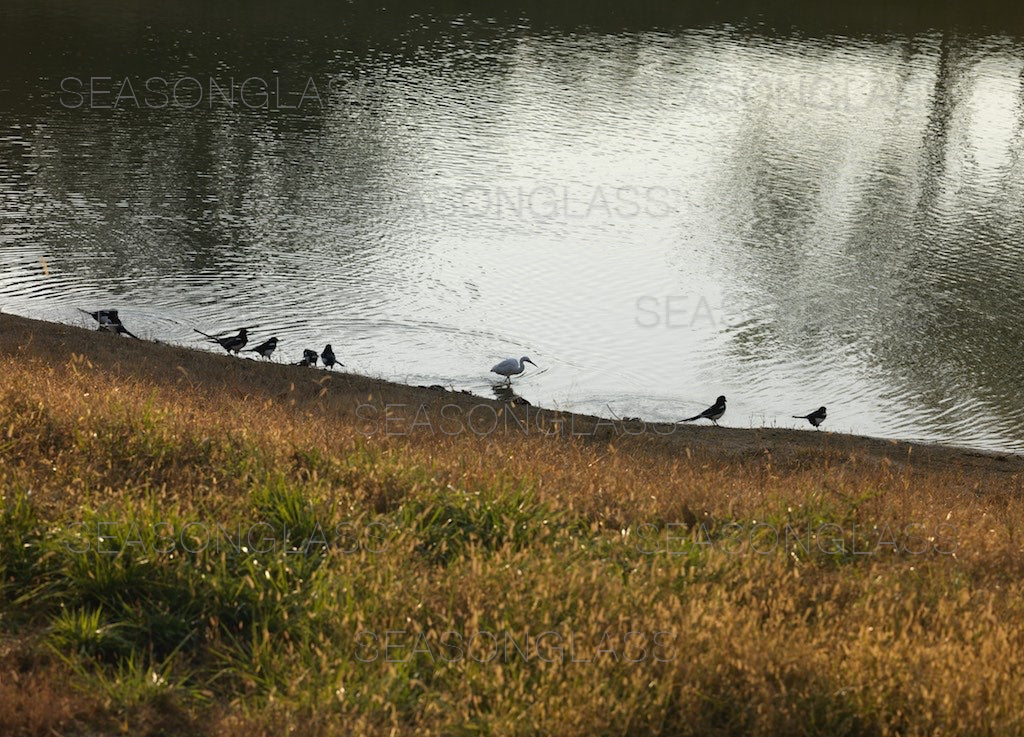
column 329, row 358
column 109, row 321
column 309, row 357
column 265, row 349
column 713, row 413
column 815, row 418
column 233, row 343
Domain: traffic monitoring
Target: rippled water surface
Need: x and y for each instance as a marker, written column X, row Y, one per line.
column 656, row 212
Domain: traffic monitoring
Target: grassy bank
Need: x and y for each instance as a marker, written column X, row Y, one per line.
column 196, row 544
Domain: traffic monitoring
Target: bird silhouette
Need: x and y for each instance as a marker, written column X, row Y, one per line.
column 815, row 418
column 265, row 349
column 328, row 357
column 109, row 321
column 233, row 343
column 309, row 357
column 713, row 413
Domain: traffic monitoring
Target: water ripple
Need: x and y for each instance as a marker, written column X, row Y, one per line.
column 655, row 218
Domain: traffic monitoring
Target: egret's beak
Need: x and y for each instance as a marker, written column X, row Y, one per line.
column 530, row 362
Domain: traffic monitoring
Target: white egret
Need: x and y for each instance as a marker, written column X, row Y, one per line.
column 511, row 367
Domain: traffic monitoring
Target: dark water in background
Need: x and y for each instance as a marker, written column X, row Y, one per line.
column 789, row 204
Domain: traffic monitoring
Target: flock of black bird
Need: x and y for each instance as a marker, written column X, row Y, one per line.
column 236, row 344
column 716, row 410
column 109, row 320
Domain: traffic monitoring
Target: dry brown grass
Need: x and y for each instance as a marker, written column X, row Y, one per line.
column 34, row 698
column 500, row 533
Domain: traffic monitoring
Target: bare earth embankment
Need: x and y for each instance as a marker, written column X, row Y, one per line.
column 196, row 544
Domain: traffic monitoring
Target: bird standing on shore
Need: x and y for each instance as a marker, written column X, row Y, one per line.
column 109, row 321
column 309, row 357
column 713, row 413
column 328, row 357
column 511, row 367
column 233, row 343
column 265, row 349
column 815, row 418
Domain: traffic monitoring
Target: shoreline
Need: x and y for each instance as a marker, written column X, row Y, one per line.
column 382, row 406
column 202, row 545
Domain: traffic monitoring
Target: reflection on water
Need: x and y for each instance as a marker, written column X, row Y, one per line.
column 506, row 393
column 658, row 214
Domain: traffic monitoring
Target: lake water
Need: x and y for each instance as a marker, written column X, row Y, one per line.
column 788, row 208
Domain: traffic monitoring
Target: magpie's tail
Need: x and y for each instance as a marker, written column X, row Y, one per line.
column 691, row 419
column 800, row 417
column 129, row 333
column 215, row 340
